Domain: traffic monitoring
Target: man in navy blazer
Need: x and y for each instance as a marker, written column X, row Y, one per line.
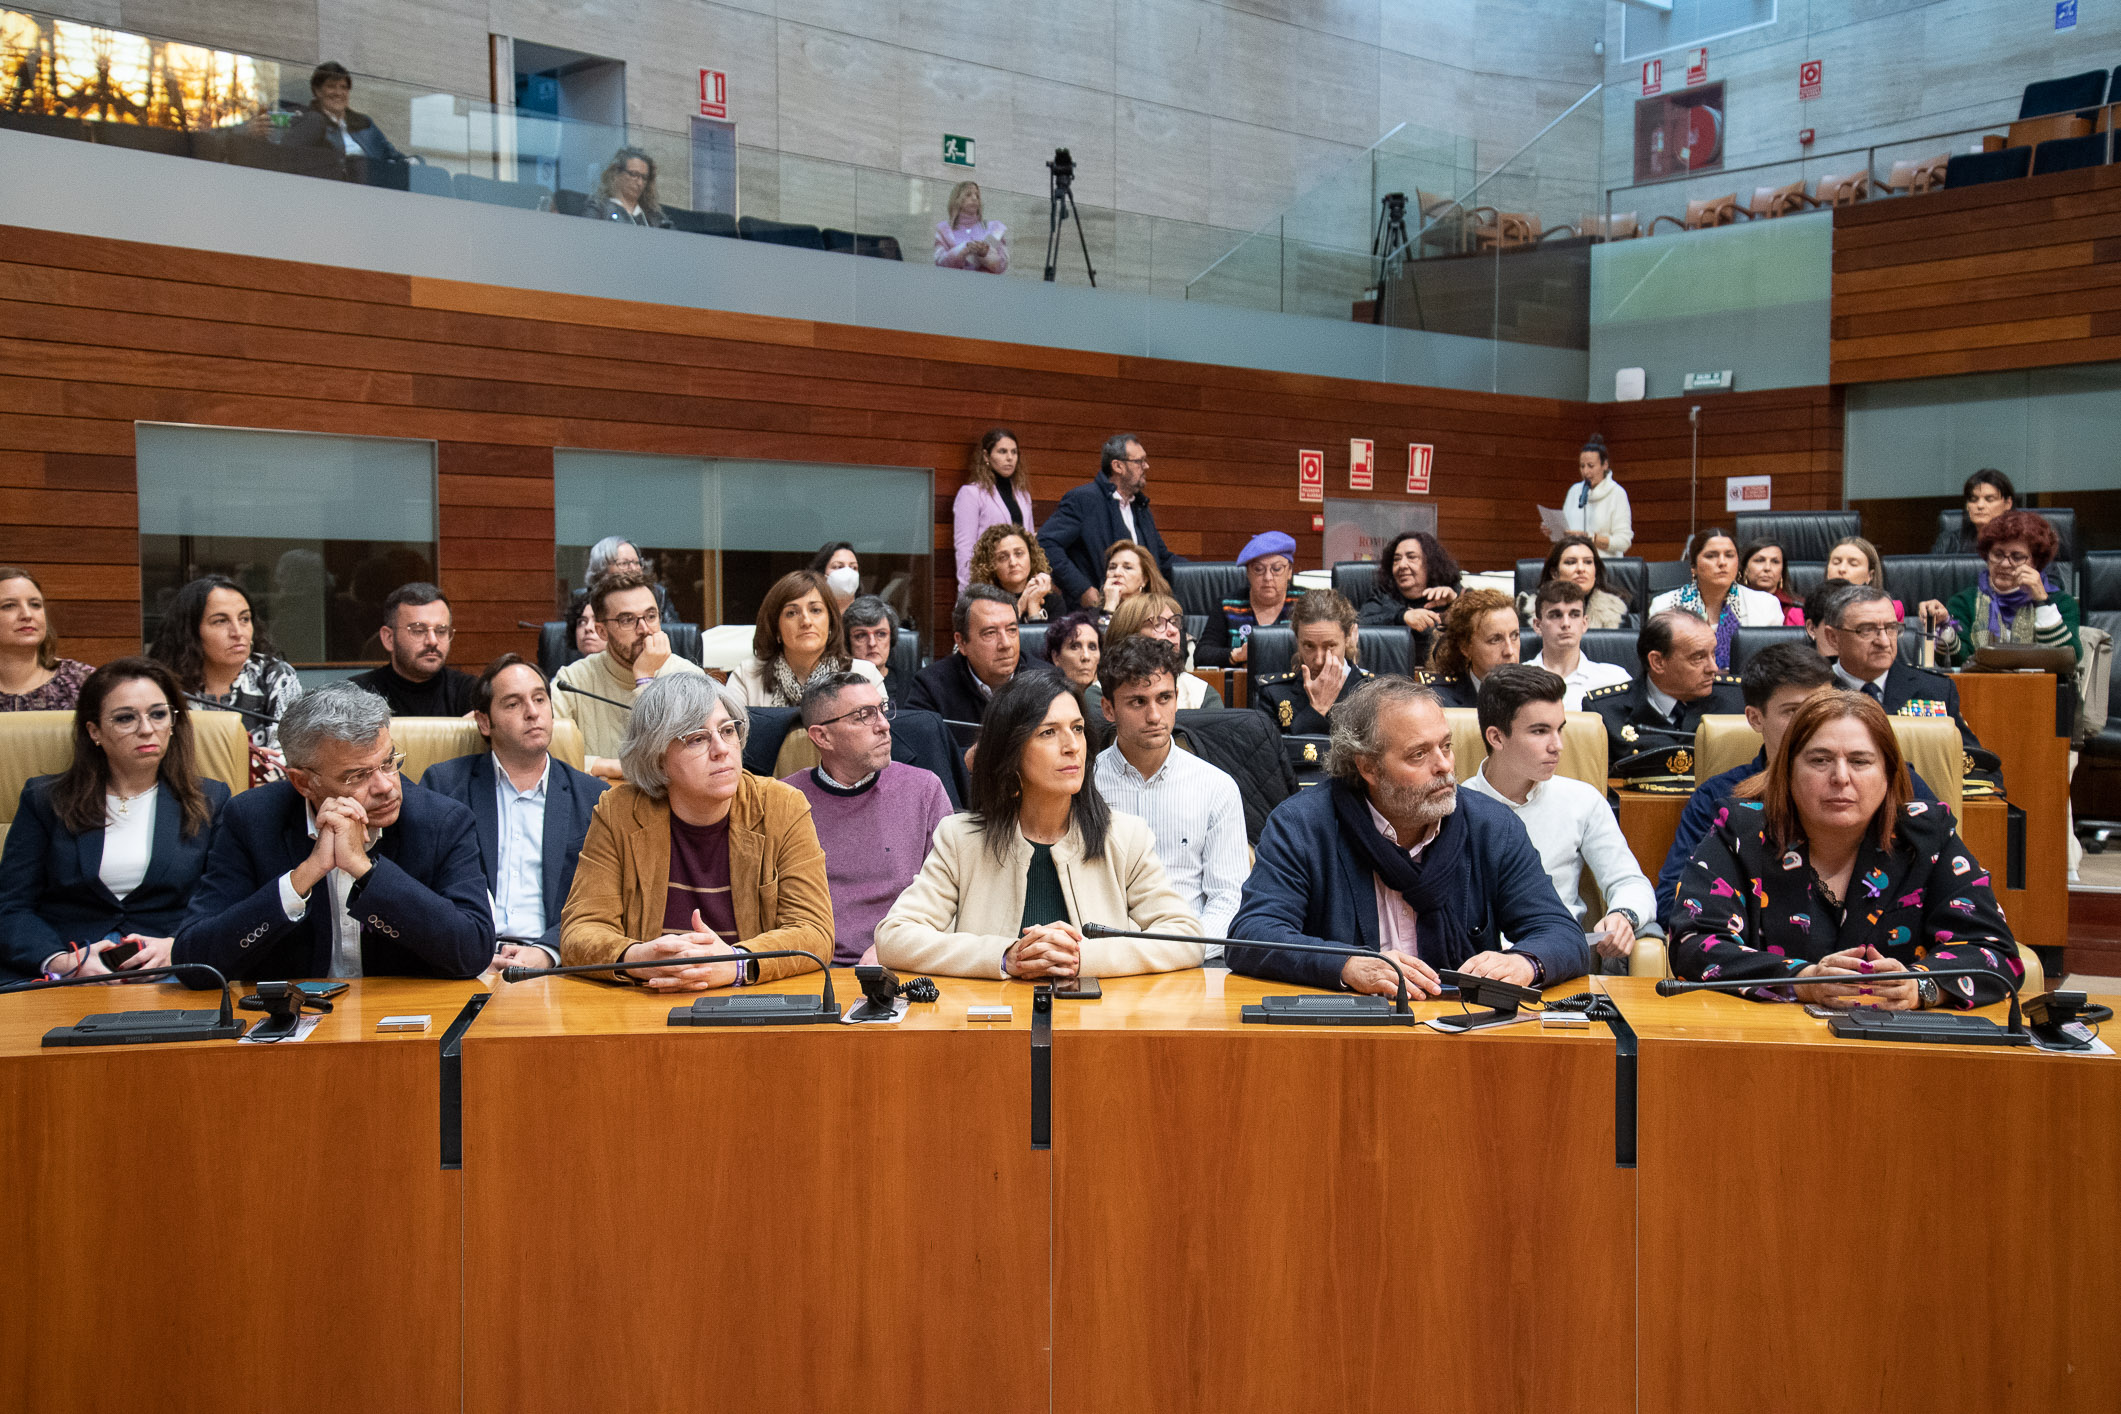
column 544, row 804
column 340, row 870
column 1094, row 517
column 1390, row 856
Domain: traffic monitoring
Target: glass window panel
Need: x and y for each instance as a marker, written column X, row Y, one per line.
column 317, row 529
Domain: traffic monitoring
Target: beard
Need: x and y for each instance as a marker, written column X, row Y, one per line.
column 1424, row 808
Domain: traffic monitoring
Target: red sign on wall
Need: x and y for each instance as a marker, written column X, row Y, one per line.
column 1420, row 457
column 714, row 93
column 1362, row 463
column 1652, row 77
column 1697, row 67
column 1808, row 79
column 1310, row 476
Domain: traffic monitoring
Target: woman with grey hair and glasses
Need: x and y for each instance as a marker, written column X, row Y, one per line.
column 693, row 856
column 615, row 553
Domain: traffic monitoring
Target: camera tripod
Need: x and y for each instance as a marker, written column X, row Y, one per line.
column 1060, row 209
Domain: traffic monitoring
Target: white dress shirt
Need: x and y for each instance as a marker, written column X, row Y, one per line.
column 1571, row 826
column 1855, row 684
column 1589, row 675
column 1126, row 513
column 519, row 903
column 1198, row 818
column 128, row 841
column 338, row 884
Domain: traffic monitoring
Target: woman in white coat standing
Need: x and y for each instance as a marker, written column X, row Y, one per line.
column 1598, row 505
column 997, row 491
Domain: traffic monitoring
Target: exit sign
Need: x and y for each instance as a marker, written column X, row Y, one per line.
column 1709, row 382
column 957, row 151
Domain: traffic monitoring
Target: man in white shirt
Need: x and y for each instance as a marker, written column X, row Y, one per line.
column 1558, row 615
column 1192, row 808
column 1521, row 718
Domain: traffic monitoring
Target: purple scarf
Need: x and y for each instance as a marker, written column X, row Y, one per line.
column 1726, row 622
column 2011, row 603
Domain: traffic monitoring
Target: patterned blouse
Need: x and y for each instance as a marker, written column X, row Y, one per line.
column 58, row 695
column 265, row 686
column 1747, row 909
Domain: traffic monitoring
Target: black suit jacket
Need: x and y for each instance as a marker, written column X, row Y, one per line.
column 947, row 688
column 570, row 800
column 1632, row 725
column 1906, row 683
column 1087, row 523
column 51, row 892
column 422, row 907
column 1456, row 690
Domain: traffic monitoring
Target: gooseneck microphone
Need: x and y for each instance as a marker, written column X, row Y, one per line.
column 121, row 1028
column 212, row 706
column 584, row 692
column 1933, row 1026
column 752, row 1009
column 1399, row 1003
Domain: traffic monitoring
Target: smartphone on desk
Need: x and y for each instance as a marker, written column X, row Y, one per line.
column 321, row 990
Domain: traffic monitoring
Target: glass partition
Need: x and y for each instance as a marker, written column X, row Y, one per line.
column 718, row 532
column 319, row 529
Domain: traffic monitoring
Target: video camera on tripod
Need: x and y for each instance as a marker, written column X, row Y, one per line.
column 1061, row 196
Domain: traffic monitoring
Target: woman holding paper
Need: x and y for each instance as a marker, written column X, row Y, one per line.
column 1597, row 506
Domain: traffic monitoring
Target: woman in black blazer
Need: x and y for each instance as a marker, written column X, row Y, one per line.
column 107, row 852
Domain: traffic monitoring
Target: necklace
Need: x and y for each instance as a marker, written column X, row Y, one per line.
column 123, row 804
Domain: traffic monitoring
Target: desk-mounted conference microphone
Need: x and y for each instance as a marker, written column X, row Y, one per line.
column 737, row 1009
column 133, row 1028
column 1872, row 1024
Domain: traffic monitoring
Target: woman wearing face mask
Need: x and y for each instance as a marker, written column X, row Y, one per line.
column 799, row 636
column 1716, row 597
column 842, row 571
column 997, row 491
column 1597, row 505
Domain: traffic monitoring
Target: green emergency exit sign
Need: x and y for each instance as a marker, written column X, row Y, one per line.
column 957, row 151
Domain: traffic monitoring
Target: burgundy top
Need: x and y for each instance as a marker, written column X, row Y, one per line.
column 699, row 878
column 58, row 695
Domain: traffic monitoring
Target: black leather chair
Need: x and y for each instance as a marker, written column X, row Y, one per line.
column 1914, row 578
column 2063, row 520
column 1973, row 169
column 2070, row 154
column 1527, row 578
column 1803, row 535
column 1660, row 575
column 2102, row 582
column 758, row 228
column 1610, row 645
column 702, row 223
column 1201, row 586
column 170, row 142
column 1355, row 581
column 575, row 203
column 1031, row 640
column 855, row 243
column 1380, row 648
column 905, row 655
column 1806, row 577
column 1273, row 651
column 2078, row 93
column 1749, row 643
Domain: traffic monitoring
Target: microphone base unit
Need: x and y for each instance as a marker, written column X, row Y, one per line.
column 141, row 1028
column 1935, row 1028
column 758, row 1009
column 1325, row 1009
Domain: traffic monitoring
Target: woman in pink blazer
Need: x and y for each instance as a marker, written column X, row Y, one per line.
column 997, row 491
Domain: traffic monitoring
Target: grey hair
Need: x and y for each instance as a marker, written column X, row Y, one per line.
column 1838, row 606
column 867, row 612
column 1114, row 450
column 665, row 710
column 602, row 554
column 1356, row 736
column 337, row 711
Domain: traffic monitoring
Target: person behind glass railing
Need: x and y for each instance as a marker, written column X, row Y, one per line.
column 1009, row 884
column 330, row 122
column 1855, row 560
column 107, row 851
column 1597, row 506
column 1823, row 879
column 965, row 240
column 1009, row 558
column 872, row 634
column 33, row 677
column 2013, row 601
column 842, row 569
column 1714, row 595
column 1988, row 493
column 626, row 192
column 1416, row 581
column 1574, row 559
column 227, row 663
column 997, row 491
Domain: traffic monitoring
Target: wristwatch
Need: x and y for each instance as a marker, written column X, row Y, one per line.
column 1928, row 993
column 1634, row 923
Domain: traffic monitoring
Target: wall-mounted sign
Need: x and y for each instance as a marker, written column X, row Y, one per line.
column 714, row 93
column 2065, row 14
column 1718, row 382
column 1808, row 79
column 1310, row 476
column 1420, row 458
column 957, row 151
column 1697, row 67
column 1652, row 77
column 1748, row 493
column 1362, row 463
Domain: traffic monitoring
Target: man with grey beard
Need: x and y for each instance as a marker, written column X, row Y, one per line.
column 1391, row 857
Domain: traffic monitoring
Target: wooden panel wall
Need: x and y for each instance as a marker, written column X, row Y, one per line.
column 2017, row 274
column 95, row 334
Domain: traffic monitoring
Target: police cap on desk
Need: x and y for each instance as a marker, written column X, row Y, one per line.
column 1661, row 770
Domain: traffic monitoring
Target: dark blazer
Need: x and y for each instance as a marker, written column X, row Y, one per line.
column 1632, row 725
column 1456, row 690
column 50, row 894
column 422, row 906
column 1906, row 683
column 1282, row 697
column 1308, row 887
column 570, row 801
column 313, row 129
column 947, row 688
column 1087, row 523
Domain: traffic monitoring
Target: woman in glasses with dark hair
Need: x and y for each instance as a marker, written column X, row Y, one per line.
column 105, row 854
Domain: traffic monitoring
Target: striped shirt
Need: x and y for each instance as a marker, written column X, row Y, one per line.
column 1194, row 811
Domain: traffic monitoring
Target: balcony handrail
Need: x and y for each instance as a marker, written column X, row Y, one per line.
column 1282, row 211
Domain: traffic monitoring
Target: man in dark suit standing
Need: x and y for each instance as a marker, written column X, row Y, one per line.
column 1094, row 516
column 1679, row 686
column 533, row 811
column 340, row 870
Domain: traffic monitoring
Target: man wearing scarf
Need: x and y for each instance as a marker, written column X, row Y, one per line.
column 1392, row 857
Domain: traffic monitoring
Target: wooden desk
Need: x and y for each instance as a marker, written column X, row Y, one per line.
column 1648, row 822
column 219, row 1226
column 1326, row 1218
column 814, row 1217
column 1832, row 1224
column 2014, row 715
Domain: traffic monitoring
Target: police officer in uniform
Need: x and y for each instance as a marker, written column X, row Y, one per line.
column 1301, row 701
column 1678, row 687
column 1864, row 632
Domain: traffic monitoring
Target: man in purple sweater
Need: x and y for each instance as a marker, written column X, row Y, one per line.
column 875, row 816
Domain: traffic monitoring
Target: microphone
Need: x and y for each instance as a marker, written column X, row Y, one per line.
column 584, row 692
column 213, row 706
column 1943, row 1028
column 122, row 1028
column 753, row 1009
column 1346, row 1011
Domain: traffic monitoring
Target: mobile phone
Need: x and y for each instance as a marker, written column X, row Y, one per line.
column 1824, row 1013
column 321, row 990
column 118, row 954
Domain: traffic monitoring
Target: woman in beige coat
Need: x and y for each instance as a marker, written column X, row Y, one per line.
column 1009, row 885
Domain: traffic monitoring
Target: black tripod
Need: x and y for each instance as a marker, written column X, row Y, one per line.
column 1061, row 207
column 1388, row 241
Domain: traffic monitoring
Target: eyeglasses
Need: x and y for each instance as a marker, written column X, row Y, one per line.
column 860, row 716
column 1267, row 567
column 354, row 782
column 630, row 622
column 634, row 173
column 698, row 741
column 1163, row 621
column 1135, row 461
column 422, row 633
column 1870, row 630
column 2009, row 561
column 127, row 720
